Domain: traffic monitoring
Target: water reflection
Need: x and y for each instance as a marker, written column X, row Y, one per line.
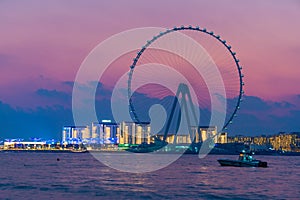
column 35, row 175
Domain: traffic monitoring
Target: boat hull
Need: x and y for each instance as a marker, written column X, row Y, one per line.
column 238, row 163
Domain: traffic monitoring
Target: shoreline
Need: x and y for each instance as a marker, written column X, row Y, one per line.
column 124, row 151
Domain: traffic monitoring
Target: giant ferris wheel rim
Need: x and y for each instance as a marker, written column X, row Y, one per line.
column 191, row 28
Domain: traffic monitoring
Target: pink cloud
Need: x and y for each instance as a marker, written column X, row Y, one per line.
column 52, row 38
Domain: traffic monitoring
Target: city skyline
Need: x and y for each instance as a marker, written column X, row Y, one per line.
column 110, row 136
column 43, row 45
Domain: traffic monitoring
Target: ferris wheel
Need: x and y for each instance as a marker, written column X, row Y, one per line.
column 190, row 63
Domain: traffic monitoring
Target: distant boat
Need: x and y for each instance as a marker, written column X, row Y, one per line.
column 78, row 150
column 245, row 160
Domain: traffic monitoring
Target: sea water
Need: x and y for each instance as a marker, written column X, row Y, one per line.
column 33, row 175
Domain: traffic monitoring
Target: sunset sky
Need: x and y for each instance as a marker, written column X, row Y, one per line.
column 43, row 43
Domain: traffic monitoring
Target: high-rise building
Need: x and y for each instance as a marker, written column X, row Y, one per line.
column 134, row 133
column 202, row 133
column 222, row 138
column 183, row 139
column 105, row 131
column 66, row 133
column 74, row 133
column 86, row 133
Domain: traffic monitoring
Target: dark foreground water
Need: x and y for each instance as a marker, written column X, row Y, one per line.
column 80, row 176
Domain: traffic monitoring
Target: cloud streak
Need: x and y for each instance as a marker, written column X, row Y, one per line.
column 256, row 116
column 43, row 44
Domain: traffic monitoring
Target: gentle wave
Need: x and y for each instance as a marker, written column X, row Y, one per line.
column 80, row 176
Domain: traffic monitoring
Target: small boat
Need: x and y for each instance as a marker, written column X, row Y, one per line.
column 245, row 160
column 78, row 150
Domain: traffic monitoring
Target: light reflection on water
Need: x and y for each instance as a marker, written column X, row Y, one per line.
column 77, row 176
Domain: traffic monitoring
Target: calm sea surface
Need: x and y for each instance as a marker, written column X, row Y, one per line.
column 80, row 176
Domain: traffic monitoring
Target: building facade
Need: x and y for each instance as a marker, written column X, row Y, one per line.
column 75, row 134
column 134, row 133
column 105, row 132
